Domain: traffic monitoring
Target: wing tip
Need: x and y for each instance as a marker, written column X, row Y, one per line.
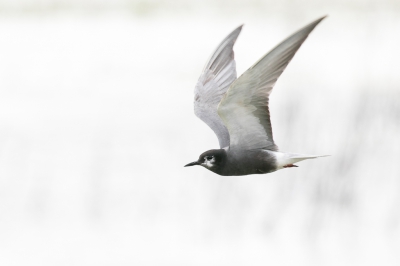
column 236, row 32
column 313, row 24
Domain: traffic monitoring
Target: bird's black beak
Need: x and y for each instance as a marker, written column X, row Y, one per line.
column 191, row 164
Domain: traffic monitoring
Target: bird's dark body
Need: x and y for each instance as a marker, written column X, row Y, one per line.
column 231, row 162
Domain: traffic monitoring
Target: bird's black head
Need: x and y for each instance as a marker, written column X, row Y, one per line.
column 213, row 160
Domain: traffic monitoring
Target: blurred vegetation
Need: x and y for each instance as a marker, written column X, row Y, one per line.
column 149, row 7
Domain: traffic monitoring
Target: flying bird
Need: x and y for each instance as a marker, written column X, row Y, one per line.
column 236, row 109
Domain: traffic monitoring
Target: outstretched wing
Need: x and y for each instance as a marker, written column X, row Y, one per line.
column 244, row 108
column 217, row 76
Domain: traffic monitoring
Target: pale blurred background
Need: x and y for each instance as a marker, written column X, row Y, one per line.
column 96, row 123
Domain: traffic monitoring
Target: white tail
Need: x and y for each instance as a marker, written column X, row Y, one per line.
column 284, row 159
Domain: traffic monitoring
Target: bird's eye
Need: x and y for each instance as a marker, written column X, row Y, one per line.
column 208, row 158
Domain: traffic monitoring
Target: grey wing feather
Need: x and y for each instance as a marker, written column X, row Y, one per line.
column 244, row 108
column 218, row 74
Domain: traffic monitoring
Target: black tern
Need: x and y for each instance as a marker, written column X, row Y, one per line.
column 236, row 109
